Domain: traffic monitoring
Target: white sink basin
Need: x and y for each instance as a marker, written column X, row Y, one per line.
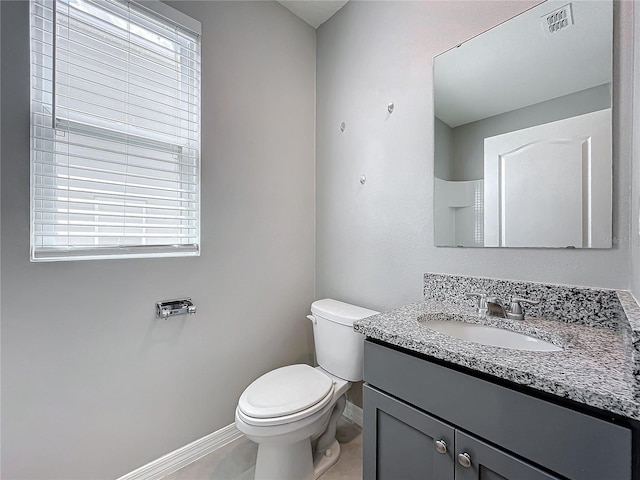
column 493, row 336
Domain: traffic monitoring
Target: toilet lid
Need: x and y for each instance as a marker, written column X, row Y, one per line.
column 285, row 391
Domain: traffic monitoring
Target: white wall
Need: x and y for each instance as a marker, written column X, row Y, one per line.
column 457, row 212
column 92, row 385
column 374, row 242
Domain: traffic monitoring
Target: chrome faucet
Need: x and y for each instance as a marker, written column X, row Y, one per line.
column 516, row 312
column 481, row 305
column 496, row 307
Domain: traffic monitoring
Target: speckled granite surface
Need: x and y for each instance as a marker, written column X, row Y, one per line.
column 598, row 365
column 589, row 306
column 632, row 333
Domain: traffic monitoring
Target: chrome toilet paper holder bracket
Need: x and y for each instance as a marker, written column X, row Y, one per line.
column 180, row 306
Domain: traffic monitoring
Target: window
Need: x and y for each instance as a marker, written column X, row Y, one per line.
column 115, row 130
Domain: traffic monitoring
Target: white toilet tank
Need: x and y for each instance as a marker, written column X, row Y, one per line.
column 339, row 350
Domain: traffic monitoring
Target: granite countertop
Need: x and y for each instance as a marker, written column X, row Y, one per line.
column 595, row 367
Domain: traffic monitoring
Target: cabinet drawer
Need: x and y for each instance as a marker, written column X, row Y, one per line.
column 573, row 444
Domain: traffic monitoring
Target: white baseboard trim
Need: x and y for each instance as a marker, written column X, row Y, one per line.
column 353, row 413
column 174, row 461
column 180, row 458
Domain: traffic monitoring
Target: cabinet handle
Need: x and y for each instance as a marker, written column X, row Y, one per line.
column 441, row 446
column 465, row 460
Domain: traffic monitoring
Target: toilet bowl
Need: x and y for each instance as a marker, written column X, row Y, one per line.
column 292, row 412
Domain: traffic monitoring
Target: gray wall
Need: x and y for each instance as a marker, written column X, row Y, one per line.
column 443, row 163
column 92, row 385
column 375, row 241
column 467, row 141
column 634, row 234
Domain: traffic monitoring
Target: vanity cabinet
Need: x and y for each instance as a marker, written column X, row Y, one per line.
column 409, row 444
column 429, row 421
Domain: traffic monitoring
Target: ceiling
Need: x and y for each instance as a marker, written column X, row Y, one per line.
column 518, row 64
column 314, row 12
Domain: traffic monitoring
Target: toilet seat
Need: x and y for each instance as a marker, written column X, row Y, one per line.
column 285, row 395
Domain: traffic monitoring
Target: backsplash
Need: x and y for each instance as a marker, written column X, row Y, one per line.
column 587, row 306
column 632, row 312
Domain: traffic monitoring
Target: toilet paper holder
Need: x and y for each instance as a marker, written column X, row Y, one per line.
column 180, row 306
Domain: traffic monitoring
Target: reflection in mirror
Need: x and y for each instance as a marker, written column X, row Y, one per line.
column 522, row 132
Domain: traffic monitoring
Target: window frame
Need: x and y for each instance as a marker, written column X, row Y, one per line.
column 166, row 16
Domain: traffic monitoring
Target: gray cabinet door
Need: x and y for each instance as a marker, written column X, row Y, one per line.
column 400, row 441
column 489, row 463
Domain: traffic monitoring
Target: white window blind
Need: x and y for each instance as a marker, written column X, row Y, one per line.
column 115, row 112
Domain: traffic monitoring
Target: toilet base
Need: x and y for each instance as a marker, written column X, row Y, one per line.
column 323, row 461
column 295, row 462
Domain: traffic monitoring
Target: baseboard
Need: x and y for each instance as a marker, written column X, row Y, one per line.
column 174, row 461
column 180, row 458
column 353, row 413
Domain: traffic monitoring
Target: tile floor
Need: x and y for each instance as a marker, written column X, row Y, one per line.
column 236, row 461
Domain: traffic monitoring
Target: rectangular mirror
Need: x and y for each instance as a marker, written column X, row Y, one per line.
column 522, row 132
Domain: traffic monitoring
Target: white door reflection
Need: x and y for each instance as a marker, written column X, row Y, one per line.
column 543, row 187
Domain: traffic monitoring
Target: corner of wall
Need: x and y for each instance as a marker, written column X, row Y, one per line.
column 634, row 231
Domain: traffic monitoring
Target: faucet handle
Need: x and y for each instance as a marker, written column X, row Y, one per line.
column 516, row 311
column 481, row 305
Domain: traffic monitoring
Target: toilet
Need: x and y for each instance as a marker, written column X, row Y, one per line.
column 292, row 412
